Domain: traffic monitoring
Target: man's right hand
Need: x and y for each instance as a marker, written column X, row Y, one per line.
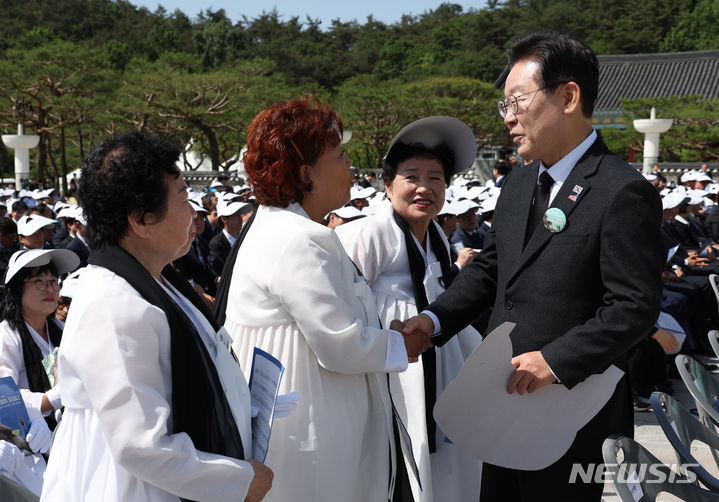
column 417, row 332
column 420, row 323
column 261, row 483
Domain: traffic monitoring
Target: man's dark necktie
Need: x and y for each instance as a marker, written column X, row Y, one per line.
column 541, row 202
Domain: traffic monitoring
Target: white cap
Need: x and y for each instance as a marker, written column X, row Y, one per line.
column 650, row 176
column 431, row 131
column 348, row 212
column 197, row 207
column 713, row 188
column 70, row 284
column 28, row 225
column 216, row 183
column 80, row 215
column 228, row 208
column 673, row 199
column 478, row 193
column 63, row 259
column 67, row 212
column 489, row 204
column 688, row 176
column 696, row 197
column 227, row 196
column 447, row 208
column 464, row 205
column 702, row 177
column 361, row 193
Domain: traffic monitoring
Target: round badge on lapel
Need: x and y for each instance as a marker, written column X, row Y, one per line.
column 554, row 220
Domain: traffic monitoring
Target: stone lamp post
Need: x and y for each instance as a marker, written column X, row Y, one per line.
column 652, row 128
column 22, row 144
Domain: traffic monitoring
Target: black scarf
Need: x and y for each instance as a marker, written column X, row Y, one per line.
column 32, row 358
column 223, row 289
column 417, row 271
column 199, row 405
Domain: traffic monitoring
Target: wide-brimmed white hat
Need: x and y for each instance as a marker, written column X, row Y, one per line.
column 28, row 225
column 63, row 259
column 431, row 131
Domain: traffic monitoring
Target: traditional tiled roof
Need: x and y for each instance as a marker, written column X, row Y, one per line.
column 634, row 76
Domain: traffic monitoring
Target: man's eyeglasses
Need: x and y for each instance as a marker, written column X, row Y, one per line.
column 512, row 102
column 42, row 284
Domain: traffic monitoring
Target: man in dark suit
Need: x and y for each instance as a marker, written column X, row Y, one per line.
column 194, row 265
column 583, row 287
column 468, row 230
column 500, row 172
column 78, row 244
column 231, row 213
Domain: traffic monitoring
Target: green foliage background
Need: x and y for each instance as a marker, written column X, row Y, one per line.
column 75, row 71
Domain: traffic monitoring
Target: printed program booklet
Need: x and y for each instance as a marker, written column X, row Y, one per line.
column 264, row 385
column 14, row 420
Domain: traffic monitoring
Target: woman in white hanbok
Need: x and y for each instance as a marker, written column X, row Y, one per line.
column 156, row 408
column 295, row 294
column 29, row 332
column 404, row 256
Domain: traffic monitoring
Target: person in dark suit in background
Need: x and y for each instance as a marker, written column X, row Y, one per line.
column 231, row 213
column 194, row 265
column 500, row 172
column 582, row 287
column 468, row 231
column 79, row 243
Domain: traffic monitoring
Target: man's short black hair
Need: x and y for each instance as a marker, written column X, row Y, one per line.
column 123, row 175
column 19, row 205
column 8, row 227
column 562, row 58
column 502, row 168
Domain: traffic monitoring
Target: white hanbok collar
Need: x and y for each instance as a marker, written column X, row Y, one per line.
column 46, row 347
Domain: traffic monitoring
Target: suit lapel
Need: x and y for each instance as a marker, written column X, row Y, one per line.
column 520, row 194
column 566, row 200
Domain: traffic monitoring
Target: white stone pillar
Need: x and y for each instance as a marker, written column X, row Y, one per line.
column 651, row 128
column 22, row 144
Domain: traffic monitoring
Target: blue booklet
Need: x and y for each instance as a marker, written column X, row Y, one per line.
column 14, row 420
column 264, row 385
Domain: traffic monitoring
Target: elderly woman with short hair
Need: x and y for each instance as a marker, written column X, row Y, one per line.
column 156, row 408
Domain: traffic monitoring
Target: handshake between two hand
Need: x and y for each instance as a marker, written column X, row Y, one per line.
column 417, row 332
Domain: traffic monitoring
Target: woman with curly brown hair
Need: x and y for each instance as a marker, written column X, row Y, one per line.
column 295, row 294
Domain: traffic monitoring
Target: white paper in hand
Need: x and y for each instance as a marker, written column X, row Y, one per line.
column 526, row 432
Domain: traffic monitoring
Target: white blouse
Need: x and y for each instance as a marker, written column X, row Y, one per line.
column 12, row 363
column 296, row 295
column 114, row 443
